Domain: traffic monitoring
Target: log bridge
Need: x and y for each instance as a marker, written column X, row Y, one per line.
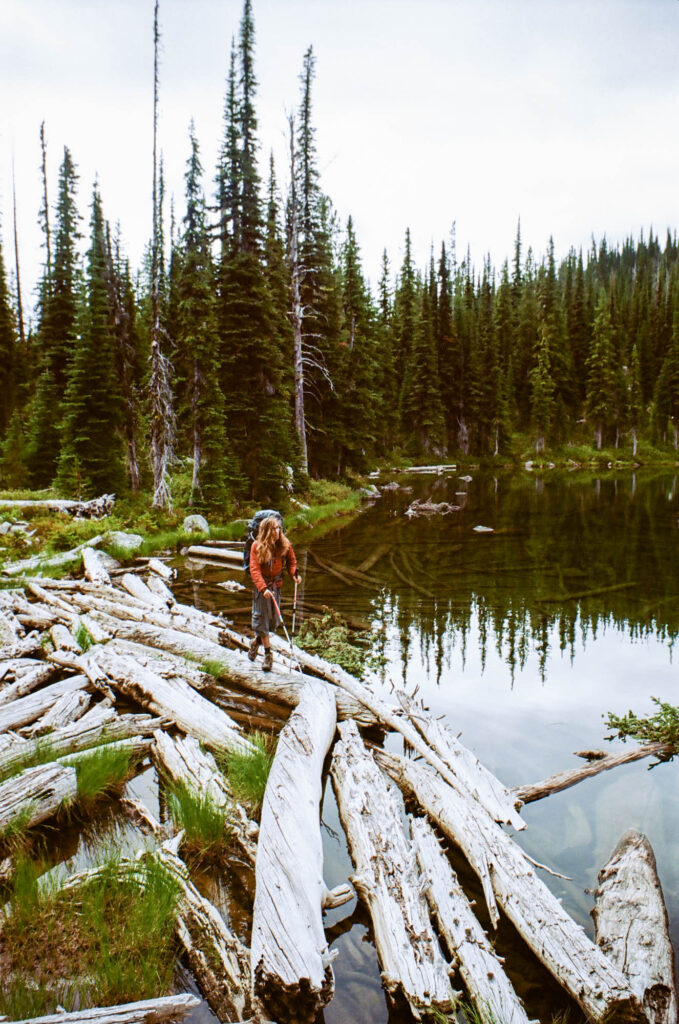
column 89, row 662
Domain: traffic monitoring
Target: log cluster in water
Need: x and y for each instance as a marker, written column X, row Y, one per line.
column 140, row 683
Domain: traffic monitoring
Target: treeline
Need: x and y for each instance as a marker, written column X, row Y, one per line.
column 257, row 350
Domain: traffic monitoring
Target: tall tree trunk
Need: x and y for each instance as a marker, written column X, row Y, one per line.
column 297, row 312
column 20, row 308
column 125, row 356
column 197, row 446
column 634, row 441
column 46, row 214
column 162, row 403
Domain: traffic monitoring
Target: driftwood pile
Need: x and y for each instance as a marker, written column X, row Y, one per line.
column 80, row 653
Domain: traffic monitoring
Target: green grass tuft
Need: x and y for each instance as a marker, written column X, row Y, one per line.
column 248, row 771
column 207, row 827
column 14, row 835
column 108, row 941
column 100, row 772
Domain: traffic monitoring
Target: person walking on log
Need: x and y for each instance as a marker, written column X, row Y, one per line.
column 271, row 552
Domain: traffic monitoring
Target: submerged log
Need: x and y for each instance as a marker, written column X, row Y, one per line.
column 184, row 761
column 218, row 959
column 146, row 1011
column 290, row 957
column 509, row 881
column 36, row 794
column 387, row 879
column 563, row 780
column 500, row 803
column 489, row 988
column 631, row 926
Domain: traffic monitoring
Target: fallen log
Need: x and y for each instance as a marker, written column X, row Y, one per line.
column 386, row 878
column 290, row 960
column 233, row 558
column 380, row 551
column 631, row 926
column 500, row 803
column 97, row 508
column 160, row 589
column 172, row 699
column 182, row 760
column 218, row 959
column 26, row 709
column 489, row 988
column 284, row 687
column 563, row 780
column 98, row 725
column 63, row 639
column 94, row 568
column 509, row 881
column 68, row 708
column 63, row 558
column 36, row 794
column 37, row 673
column 135, row 586
column 160, row 569
column 147, row 1011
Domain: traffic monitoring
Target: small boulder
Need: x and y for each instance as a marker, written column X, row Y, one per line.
column 196, row 524
column 125, row 542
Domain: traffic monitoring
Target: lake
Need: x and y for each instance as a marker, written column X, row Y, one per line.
column 524, row 638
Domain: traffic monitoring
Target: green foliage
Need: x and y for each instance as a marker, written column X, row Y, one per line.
column 207, row 826
column 100, row 772
column 42, row 753
column 662, row 727
column 248, row 771
column 329, row 636
column 114, row 933
column 13, row 835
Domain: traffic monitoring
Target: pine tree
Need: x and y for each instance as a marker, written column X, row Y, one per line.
column 635, row 399
column 666, row 395
column 600, row 399
column 90, row 461
column 198, row 344
column 8, row 352
column 386, row 383
column 406, row 314
column 422, row 407
column 56, row 332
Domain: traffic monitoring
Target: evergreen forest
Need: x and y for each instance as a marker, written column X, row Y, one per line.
column 250, row 349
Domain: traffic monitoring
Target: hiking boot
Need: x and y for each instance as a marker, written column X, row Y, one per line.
column 253, row 648
column 268, row 660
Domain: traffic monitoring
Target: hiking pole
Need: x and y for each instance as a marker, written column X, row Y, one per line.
column 294, row 609
column 275, row 603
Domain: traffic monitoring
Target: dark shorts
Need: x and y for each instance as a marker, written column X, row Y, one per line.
column 264, row 615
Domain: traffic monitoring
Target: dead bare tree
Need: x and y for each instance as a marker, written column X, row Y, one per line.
column 45, row 208
column 296, row 313
column 20, row 308
column 163, row 423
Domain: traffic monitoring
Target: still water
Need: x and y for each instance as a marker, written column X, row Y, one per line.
column 524, row 638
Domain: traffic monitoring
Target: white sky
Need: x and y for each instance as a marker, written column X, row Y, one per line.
column 562, row 112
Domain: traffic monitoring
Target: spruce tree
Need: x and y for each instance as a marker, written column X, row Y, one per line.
column 91, row 457
column 600, row 399
column 666, row 395
column 422, row 409
column 198, row 345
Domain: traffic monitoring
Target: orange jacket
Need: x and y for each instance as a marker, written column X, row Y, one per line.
column 271, row 572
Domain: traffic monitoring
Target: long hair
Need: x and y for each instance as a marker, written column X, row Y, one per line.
column 268, row 544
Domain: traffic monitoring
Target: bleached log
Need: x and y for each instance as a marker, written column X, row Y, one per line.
column 290, row 958
column 509, row 881
column 36, row 794
column 38, row 672
column 160, row 589
column 482, row 785
column 137, row 747
column 160, row 569
column 489, row 988
column 64, row 640
column 218, row 959
column 184, row 761
column 94, row 509
column 563, row 780
column 135, row 585
column 93, row 566
column 40, row 616
column 26, row 709
column 283, row 687
column 164, row 663
column 68, row 708
column 146, row 1011
column 63, row 558
column 631, row 926
column 172, row 699
column 98, row 724
column 15, row 668
column 386, row 877
column 233, row 558
column 97, row 633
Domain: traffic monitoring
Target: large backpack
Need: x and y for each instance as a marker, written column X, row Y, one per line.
column 253, row 530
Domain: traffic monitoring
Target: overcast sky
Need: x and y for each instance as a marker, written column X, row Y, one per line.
column 561, row 112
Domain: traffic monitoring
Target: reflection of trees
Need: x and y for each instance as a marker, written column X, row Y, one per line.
column 571, row 554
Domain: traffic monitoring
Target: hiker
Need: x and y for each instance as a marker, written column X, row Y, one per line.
column 269, row 555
